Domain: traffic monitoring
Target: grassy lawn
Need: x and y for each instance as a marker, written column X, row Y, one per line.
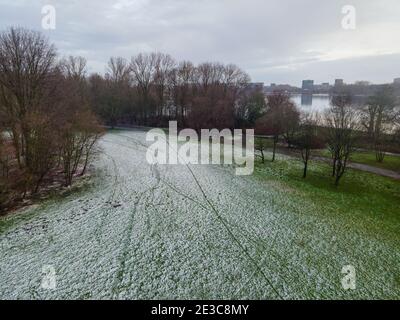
column 364, row 157
column 364, row 201
column 363, row 213
column 168, row 232
column 389, row 163
column 359, row 193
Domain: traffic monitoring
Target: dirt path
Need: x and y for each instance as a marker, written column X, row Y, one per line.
column 353, row 165
column 378, row 171
column 366, row 168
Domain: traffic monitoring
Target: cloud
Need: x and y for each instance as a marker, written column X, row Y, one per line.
column 275, row 40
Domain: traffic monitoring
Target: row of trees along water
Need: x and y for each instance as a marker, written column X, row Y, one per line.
column 152, row 89
column 342, row 129
column 51, row 108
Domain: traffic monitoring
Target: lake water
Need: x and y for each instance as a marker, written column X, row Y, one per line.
column 319, row 102
column 312, row 102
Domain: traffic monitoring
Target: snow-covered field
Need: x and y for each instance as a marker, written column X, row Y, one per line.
column 180, row 232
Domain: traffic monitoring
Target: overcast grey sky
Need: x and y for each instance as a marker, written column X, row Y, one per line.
column 282, row 41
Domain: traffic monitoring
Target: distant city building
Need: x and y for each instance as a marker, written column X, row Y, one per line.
column 339, row 82
column 308, row 85
column 396, row 81
column 255, row 86
column 362, row 83
column 324, row 87
column 281, row 87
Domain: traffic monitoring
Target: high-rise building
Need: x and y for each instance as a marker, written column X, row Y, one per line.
column 325, row 86
column 255, row 86
column 362, row 83
column 396, row 81
column 339, row 82
column 308, row 85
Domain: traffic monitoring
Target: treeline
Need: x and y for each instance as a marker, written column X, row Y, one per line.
column 342, row 129
column 48, row 130
column 51, row 109
column 152, row 89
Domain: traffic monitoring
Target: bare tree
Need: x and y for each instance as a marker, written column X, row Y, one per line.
column 27, row 64
column 159, row 89
column 114, row 94
column 208, row 76
column 234, row 79
column 143, row 67
column 307, row 138
column 3, row 172
column 118, row 70
column 4, row 155
column 249, row 107
column 78, row 138
column 79, row 129
column 45, row 107
column 378, row 118
column 278, row 118
column 91, row 132
column 74, row 67
column 42, row 144
column 343, row 121
column 163, row 66
column 261, row 145
column 183, row 79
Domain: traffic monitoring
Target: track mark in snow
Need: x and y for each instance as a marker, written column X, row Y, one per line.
column 224, row 223
column 110, row 198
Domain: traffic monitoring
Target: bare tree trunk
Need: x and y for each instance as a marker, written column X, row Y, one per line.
column 274, row 149
column 334, row 167
column 85, row 165
column 305, row 169
column 262, row 156
column 337, row 180
column 341, row 167
column 38, row 182
column 379, row 152
column 306, row 157
column 15, row 137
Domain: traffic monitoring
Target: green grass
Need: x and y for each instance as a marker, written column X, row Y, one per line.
column 363, row 200
column 266, row 143
column 390, row 162
column 299, row 232
column 357, row 223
